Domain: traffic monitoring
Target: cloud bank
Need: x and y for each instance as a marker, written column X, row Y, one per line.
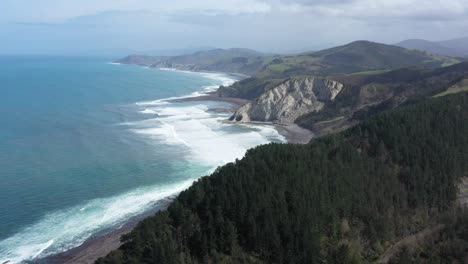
column 119, row 26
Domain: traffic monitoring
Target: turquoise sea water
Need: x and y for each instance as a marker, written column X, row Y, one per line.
column 86, row 144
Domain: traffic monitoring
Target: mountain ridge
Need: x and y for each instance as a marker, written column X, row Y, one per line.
column 454, row 47
column 355, row 57
column 233, row 60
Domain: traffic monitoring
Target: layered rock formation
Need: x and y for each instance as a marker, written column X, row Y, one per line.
column 284, row 103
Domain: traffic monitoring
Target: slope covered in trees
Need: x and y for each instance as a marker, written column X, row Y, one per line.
column 343, row 198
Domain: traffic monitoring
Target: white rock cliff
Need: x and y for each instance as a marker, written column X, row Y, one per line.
column 289, row 100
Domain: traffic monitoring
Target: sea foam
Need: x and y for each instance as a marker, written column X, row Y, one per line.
column 65, row 229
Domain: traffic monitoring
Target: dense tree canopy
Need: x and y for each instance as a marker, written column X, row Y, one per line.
column 342, row 198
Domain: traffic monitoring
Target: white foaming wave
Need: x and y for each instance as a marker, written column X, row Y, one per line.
column 222, row 78
column 164, row 133
column 66, row 229
column 267, row 131
column 165, row 101
column 148, row 111
column 203, row 133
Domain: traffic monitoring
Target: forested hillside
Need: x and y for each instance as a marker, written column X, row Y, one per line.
column 344, row 198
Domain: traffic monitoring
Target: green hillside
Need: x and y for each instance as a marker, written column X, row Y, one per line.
column 366, row 94
column 344, row 198
column 355, row 57
column 235, row 60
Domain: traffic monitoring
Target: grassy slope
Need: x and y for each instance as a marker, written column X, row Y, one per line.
column 367, row 94
column 356, row 57
column 456, row 88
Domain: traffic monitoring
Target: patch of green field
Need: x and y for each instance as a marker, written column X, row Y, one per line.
column 457, row 88
column 370, row 72
column 278, row 67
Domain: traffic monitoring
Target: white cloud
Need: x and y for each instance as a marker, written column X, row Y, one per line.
column 261, row 24
column 59, row 11
column 408, row 9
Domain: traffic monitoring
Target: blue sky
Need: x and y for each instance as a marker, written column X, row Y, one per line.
column 121, row 27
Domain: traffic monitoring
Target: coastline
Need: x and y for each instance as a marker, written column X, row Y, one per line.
column 293, row 133
column 99, row 245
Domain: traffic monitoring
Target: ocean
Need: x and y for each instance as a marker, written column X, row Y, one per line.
column 86, row 145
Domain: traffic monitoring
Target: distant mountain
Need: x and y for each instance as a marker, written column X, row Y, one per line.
column 429, row 46
column 366, row 55
column 355, row 57
column 142, row 60
column 174, row 52
column 454, row 47
column 235, row 60
column 459, row 44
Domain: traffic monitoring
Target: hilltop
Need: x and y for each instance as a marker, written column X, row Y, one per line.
column 356, row 57
column 453, row 47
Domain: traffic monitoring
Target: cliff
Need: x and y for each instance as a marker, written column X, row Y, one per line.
column 284, row 103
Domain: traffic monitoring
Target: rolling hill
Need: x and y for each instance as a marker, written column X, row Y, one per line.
column 355, row 57
column 365, row 95
column 235, row 60
column 429, row 46
column 454, row 47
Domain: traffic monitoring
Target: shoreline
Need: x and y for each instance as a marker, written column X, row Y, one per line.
column 237, row 102
column 232, row 75
column 99, row 245
column 293, row 133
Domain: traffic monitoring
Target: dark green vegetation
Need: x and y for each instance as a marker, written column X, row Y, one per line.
column 367, row 94
column 344, row 198
column 449, row 246
column 355, row 57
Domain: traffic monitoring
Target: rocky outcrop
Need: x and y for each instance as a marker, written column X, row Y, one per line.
column 284, row 103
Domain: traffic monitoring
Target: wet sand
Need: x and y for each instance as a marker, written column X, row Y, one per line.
column 295, row 134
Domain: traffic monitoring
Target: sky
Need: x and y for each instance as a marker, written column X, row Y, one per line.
column 138, row 26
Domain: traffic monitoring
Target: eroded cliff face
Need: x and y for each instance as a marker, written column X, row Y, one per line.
column 284, row 103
